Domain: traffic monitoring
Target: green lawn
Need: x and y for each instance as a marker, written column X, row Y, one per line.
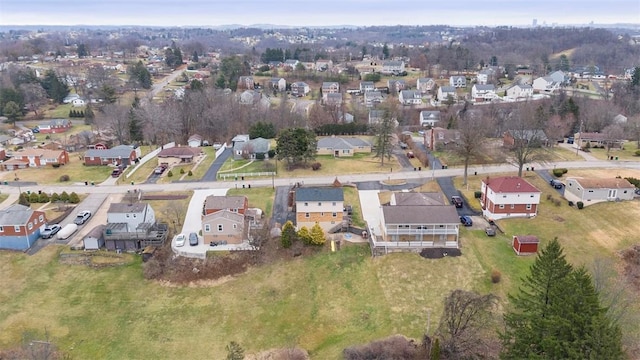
column 351, row 198
column 628, row 152
column 261, row 198
column 75, row 169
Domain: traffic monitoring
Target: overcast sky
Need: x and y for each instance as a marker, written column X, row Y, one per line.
column 316, row 13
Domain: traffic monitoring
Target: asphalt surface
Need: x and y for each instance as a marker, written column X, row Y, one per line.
column 548, row 177
column 281, row 213
column 212, row 173
column 446, row 184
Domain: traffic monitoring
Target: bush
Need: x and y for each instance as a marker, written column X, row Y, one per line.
column 580, row 205
column 181, row 171
column 557, row 172
column 44, row 198
column 271, row 153
column 549, row 197
column 570, row 203
column 64, row 197
column 169, row 174
column 190, row 173
column 557, row 202
column 74, row 198
column 55, row 197
column 633, row 181
column 260, row 156
column 496, row 276
column 34, row 198
column 637, row 153
column 316, row 166
column 477, row 194
column 64, row 178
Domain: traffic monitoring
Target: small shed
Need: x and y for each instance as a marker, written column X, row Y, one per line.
column 94, row 240
column 525, row 244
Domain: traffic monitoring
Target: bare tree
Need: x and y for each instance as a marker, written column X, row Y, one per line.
column 473, row 137
column 633, row 128
column 115, row 117
column 466, row 324
column 34, row 96
column 613, row 134
column 530, row 142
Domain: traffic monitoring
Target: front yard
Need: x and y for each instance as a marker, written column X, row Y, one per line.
column 75, row 169
column 627, row 153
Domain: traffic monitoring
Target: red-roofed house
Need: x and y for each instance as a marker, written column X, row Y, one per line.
column 509, row 196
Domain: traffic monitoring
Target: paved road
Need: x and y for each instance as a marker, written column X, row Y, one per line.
column 212, row 173
column 157, row 87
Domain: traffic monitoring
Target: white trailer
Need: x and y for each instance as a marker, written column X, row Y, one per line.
column 67, row 231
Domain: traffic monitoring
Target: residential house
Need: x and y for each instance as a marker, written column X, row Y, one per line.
column 440, row 138
column 118, row 155
column 30, row 158
column 178, row 155
column 545, row 85
column 508, row 196
column 372, row 97
column 194, row 141
column 131, row 226
column 291, row 63
column 446, row 92
column 3, row 154
column 594, row 139
column 537, row 138
column 20, row 227
column 273, row 64
column 410, row 97
column 458, row 81
column 69, row 98
column 367, row 86
column 54, row 126
column 481, row 93
column 250, row 97
column 375, row 116
column 485, row 76
column 392, row 67
column 590, row 190
column 620, row 119
column 425, row 85
column 429, row 118
column 278, row 84
column 322, row 205
column 559, row 76
column 421, row 226
column 78, row 102
column 342, row 146
column 257, row 148
column 246, row 83
column 235, row 204
column 519, row 91
column 323, row 65
column 300, row 89
column 224, row 225
column 416, row 199
column 334, row 99
column 396, row 85
column 330, row 87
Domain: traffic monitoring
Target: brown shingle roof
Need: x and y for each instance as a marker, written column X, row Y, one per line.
column 180, row 152
column 429, row 214
column 510, row 184
column 604, row 183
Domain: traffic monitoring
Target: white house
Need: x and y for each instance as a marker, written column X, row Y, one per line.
column 429, row 118
column 559, row 76
column 546, row 85
column 300, row 88
column 367, row 86
column 131, row 214
column 410, row 97
column 390, row 67
column 484, row 76
column 425, row 85
column 194, row 141
column 458, row 81
column 508, row 196
column 279, row 84
column 78, row 102
column 518, row 91
column 445, row 91
column 480, row 93
column 590, row 190
column 372, row 97
column 375, row 116
column 330, row 87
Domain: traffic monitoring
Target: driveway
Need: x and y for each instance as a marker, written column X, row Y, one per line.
column 93, row 203
column 446, row 184
column 212, row 173
column 281, row 211
column 371, row 210
column 547, row 177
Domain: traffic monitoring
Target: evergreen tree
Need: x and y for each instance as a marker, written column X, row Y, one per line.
column 74, row 198
column 8, row 94
column 385, row 51
column 234, row 351
column 12, row 112
column 557, row 314
column 139, row 75
column 64, row 196
column 82, row 51
column 89, row 115
column 55, row 88
column 135, row 128
column 304, row 235
column 317, row 235
column 194, row 57
column 24, row 199
column 296, row 145
column 383, row 136
column 288, row 235
column 262, row 129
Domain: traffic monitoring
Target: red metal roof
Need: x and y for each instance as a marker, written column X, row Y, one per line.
column 509, row 184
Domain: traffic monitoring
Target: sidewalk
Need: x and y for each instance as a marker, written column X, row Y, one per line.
column 586, row 156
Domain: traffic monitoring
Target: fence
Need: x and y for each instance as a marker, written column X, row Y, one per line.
column 237, row 176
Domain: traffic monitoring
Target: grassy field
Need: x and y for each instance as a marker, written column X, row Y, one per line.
column 261, row 198
column 627, row 153
column 75, row 169
column 352, row 198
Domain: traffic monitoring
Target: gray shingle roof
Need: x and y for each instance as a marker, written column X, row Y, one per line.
column 320, row 194
column 15, row 214
column 422, row 215
column 123, row 208
column 224, row 202
column 120, row 151
column 417, row 198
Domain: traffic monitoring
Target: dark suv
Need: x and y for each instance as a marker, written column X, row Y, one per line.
column 457, row 201
column 556, row 183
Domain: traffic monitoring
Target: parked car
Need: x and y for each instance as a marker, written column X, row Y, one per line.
column 193, row 239
column 116, row 172
column 556, row 183
column 490, row 231
column 35, row 130
column 217, row 145
column 159, row 170
column 82, row 217
column 180, row 240
column 50, row 230
column 403, row 145
column 457, row 201
column 466, row 220
column 410, row 155
column 67, row 231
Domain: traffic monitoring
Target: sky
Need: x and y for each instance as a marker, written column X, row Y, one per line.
column 317, row 13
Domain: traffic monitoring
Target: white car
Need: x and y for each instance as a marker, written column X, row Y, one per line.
column 180, row 240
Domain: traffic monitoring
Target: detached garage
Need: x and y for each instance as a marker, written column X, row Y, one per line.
column 525, row 244
column 94, row 240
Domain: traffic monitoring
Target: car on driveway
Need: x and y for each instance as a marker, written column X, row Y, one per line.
column 82, row 217
column 50, row 230
column 159, row 170
column 490, row 231
column 193, row 239
column 457, row 201
column 180, row 240
column 466, row 220
column 556, row 183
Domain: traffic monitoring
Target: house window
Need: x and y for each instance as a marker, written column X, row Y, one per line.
column 530, row 195
column 504, row 196
column 528, row 206
column 134, row 216
column 1, row 228
column 319, row 204
column 235, row 226
column 30, row 226
column 41, row 218
column 127, row 215
column 207, row 228
column 220, row 228
column 306, row 204
column 501, row 206
column 307, row 215
column 513, row 206
column 334, row 203
column 322, row 213
column 16, row 228
column 334, row 214
column 590, row 191
column 91, row 158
